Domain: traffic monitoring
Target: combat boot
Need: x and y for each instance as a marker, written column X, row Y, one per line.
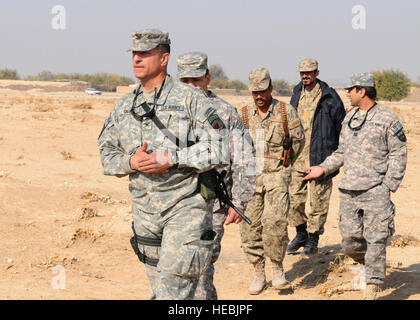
column 259, row 283
column 311, row 246
column 278, row 278
column 370, row 292
column 300, row 239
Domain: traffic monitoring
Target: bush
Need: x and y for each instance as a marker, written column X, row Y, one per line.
column 102, row 81
column 282, row 87
column 416, row 84
column 392, row 85
column 228, row 84
column 237, row 85
column 217, row 72
column 9, row 74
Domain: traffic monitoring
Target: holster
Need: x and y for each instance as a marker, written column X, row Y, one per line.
column 152, row 242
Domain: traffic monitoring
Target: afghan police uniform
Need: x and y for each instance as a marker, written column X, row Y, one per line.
column 170, row 218
column 373, row 154
column 237, row 161
column 267, row 235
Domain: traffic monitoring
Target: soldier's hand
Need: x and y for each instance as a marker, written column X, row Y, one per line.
column 314, row 172
column 233, row 217
column 138, row 156
column 155, row 162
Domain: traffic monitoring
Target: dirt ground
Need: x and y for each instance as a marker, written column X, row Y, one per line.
column 62, row 219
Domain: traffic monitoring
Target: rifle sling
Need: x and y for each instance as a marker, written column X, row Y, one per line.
column 162, row 127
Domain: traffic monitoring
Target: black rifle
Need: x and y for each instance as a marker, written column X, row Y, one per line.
column 222, row 193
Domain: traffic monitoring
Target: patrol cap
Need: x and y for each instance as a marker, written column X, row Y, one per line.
column 308, row 65
column 259, row 79
column 192, row 65
column 361, row 79
column 148, row 39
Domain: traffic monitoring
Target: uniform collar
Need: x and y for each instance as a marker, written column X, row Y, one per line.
column 270, row 108
column 167, row 86
column 370, row 115
column 211, row 94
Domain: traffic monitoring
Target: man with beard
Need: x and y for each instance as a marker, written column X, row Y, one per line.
column 321, row 112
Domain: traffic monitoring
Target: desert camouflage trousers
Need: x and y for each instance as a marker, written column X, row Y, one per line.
column 183, row 256
column 319, row 200
column 267, row 235
column 366, row 221
column 205, row 288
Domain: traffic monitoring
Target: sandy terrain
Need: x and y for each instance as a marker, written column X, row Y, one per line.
column 58, row 209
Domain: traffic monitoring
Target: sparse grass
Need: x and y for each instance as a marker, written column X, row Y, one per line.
column 82, row 106
column 329, row 290
column 88, row 213
column 401, row 241
column 43, row 108
column 84, row 234
column 56, row 260
column 338, row 265
column 67, row 155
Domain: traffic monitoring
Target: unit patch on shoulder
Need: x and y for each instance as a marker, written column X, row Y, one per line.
column 214, row 119
column 397, row 129
column 397, row 126
column 401, row 136
column 297, row 132
column 216, row 122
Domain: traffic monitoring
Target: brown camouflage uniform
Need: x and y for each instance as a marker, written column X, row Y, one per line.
column 267, row 235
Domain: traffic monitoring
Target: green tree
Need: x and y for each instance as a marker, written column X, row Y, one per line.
column 217, row 72
column 101, row 80
column 219, row 83
column 392, row 85
column 9, row 74
column 282, row 87
column 45, row 76
column 237, row 85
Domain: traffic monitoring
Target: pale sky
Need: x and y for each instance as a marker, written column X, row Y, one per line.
column 240, row 35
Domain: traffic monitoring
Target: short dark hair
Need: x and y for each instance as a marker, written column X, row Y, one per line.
column 163, row 48
column 370, row 91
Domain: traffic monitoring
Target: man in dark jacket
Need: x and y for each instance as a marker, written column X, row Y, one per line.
column 321, row 112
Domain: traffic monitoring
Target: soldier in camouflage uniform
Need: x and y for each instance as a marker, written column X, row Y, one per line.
column 173, row 229
column 267, row 235
column 373, row 152
column 240, row 166
column 321, row 112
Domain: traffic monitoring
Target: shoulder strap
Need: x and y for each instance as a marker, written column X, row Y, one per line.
column 284, row 118
column 162, row 127
column 245, row 119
